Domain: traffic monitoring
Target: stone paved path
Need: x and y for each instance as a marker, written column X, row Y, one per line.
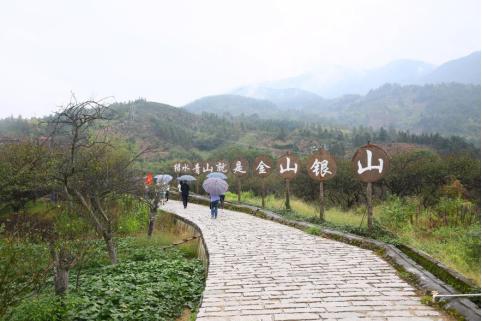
column 264, row 271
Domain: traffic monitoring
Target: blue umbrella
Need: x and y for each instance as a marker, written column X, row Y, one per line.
column 217, row 175
column 215, row 186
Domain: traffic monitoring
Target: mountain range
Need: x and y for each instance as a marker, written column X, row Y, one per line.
column 335, row 81
column 405, row 94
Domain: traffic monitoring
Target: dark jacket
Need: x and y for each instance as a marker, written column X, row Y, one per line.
column 184, row 189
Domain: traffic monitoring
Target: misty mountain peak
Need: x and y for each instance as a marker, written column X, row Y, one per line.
column 330, row 81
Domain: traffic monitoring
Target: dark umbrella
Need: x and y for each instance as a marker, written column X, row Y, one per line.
column 215, row 186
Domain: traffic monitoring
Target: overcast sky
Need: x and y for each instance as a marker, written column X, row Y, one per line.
column 176, row 51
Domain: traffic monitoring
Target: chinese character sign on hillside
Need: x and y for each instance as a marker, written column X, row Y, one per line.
column 207, row 168
column 369, row 166
column 320, row 168
column 222, row 166
column 185, row 168
column 196, row 168
column 370, row 163
column 177, row 168
column 239, row 167
column 321, row 165
column 262, row 166
column 288, row 166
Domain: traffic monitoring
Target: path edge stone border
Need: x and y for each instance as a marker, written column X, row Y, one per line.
column 420, row 277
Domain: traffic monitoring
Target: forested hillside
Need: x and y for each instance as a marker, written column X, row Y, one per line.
column 231, row 104
column 176, row 133
column 447, row 109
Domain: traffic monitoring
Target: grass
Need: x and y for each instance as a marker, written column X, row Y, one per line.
column 446, row 244
column 333, row 215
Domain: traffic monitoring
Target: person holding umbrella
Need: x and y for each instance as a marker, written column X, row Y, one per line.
column 184, row 193
column 184, row 187
column 214, row 205
column 215, row 187
column 223, row 177
column 163, row 181
column 167, row 192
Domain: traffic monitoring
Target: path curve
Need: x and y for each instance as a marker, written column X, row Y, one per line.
column 264, row 271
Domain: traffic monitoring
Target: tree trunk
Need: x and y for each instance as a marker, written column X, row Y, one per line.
column 153, row 206
column 152, row 218
column 109, row 242
column 61, row 279
column 62, row 263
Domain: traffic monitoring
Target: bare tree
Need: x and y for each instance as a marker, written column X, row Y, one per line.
column 151, row 198
column 92, row 172
column 106, row 177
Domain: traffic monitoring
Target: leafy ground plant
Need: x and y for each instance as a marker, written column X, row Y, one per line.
column 156, row 289
column 147, row 284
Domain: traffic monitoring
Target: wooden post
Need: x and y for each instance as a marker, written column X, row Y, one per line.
column 287, row 202
column 369, row 208
column 322, row 206
column 263, row 192
column 239, row 189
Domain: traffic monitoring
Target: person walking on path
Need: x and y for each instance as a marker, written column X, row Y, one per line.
column 214, row 205
column 167, row 192
column 184, row 193
column 221, row 201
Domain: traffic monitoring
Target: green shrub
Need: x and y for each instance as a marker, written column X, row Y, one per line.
column 313, row 230
column 396, row 212
column 23, row 270
column 130, row 224
column 46, row 307
column 471, row 241
column 455, row 211
column 133, row 219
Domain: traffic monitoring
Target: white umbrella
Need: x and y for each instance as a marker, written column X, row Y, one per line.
column 215, row 186
column 163, row 179
column 187, row 178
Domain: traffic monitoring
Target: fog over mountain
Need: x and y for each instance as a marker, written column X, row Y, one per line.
column 289, row 98
column 335, row 81
column 222, row 104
